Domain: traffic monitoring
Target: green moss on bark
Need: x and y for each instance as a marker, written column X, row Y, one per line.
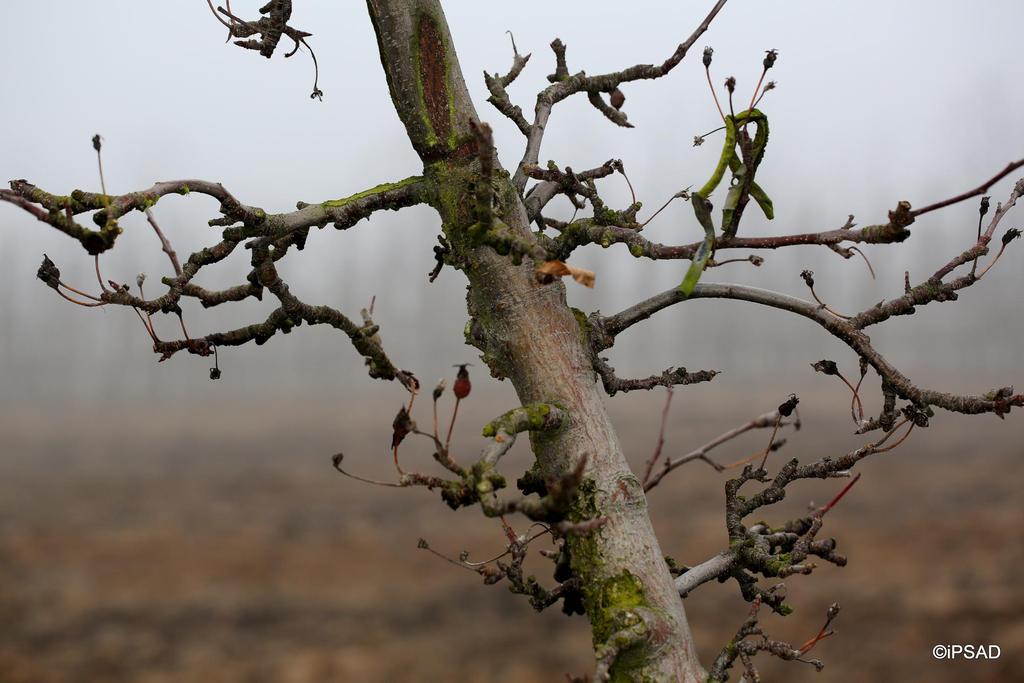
column 383, row 187
column 535, row 414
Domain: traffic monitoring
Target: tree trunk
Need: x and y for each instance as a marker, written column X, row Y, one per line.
column 529, row 335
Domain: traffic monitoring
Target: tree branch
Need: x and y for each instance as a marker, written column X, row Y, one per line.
column 566, row 86
column 504, row 429
column 584, row 231
column 761, row 422
column 980, row 189
column 670, row 377
column 708, row 570
column 998, row 401
column 497, row 85
column 270, row 237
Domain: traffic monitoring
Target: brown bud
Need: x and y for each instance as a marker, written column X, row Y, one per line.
column 617, row 98
column 462, row 385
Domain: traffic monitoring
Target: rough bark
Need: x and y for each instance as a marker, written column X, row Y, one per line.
column 529, row 335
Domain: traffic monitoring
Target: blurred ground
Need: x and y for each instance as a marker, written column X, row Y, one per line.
column 215, row 543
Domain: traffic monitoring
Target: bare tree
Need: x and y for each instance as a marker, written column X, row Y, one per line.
column 609, row 565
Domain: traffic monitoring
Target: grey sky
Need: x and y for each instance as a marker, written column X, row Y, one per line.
column 877, row 102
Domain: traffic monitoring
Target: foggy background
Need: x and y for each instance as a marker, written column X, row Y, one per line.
column 134, row 491
column 877, row 102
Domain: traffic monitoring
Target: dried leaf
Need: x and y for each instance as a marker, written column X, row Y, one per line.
column 787, row 408
column 402, row 426
column 409, row 381
column 49, row 273
column 827, row 367
column 554, row 269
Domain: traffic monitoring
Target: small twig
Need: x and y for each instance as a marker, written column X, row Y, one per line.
column 461, row 389
column 215, row 370
column 827, row 307
column 181, row 321
column 831, row 369
column 149, row 317
column 823, row 633
column 1010, row 168
column 856, row 396
column 707, row 72
column 1009, row 236
column 753, row 97
column 808, row 278
column 230, row 28
column 77, row 291
column 683, row 194
column 632, row 194
column 770, row 85
column 451, row 425
column 760, row 422
column 900, row 440
column 993, row 262
column 661, row 437
column 412, row 399
column 423, row 545
column 317, row 93
column 97, row 144
column 863, row 256
column 164, row 243
column 885, row 437
column 336, row 460
column 771, row 440
column 99, row 278
column 80, row 303
column 753, row 258
column 752, row 457
column 698, row 140
column 149, row 330
column 982, row 210
column 839, row 496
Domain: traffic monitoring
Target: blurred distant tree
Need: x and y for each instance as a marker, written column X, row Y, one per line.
column 493, row 229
